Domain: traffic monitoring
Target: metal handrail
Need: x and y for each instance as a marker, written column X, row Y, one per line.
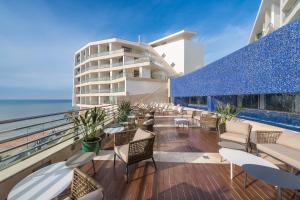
column 36, row 116
column 38, row 147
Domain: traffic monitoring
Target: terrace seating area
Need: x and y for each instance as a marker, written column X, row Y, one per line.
column 154, row 158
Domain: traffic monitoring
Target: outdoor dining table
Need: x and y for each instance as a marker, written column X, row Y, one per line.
column 46, row 183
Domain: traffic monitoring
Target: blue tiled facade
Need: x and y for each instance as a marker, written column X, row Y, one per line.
column 270, row 65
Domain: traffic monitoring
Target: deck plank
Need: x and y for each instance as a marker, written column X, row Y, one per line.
column 176, row 181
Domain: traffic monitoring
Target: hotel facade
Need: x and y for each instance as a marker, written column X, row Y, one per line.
column 273, row 14
column 111, row 70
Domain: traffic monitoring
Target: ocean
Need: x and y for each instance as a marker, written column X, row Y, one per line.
column 11, row 109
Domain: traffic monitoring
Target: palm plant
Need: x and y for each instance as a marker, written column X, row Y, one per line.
column 124, row 110
column 89, row 123
column 227, row 112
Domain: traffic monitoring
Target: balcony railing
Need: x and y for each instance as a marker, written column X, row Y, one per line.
column 117, row 76
column 24, row 137
column 105, row 53
column 114, row 90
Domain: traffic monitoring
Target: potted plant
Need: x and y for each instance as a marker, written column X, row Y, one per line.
column 226, row 112
column 124, row 110
column 88, row 124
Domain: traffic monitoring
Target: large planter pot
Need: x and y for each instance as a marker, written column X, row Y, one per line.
column 91, row 146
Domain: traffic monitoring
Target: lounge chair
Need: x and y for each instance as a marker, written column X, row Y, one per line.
column 282, row 146
column 235, row 131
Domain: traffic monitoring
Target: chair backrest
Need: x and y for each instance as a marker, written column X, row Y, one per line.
column 291, row 140
column 141, row 149
column 82, row 184
column 238, row 127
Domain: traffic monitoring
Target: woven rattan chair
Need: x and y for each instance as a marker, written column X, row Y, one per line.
column 133, row 146
column 209, row 120
column 266, row 137
column 84, row 187
column 148, row 125
column 237, row 132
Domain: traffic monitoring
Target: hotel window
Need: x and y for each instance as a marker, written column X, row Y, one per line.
column 249, row 101
column 280, row 102
column 126, row 49
column 198, row 100
column 136, row 73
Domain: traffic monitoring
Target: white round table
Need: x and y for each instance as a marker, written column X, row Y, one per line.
column 46, row 183
column 111, row 131
column 240, row 158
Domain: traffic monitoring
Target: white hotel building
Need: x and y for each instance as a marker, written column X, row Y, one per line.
column 108, row 71
column 273, row 14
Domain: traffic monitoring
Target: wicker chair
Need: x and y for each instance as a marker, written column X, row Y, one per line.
column 281, row 146
column 84, row 187
column 209, row 120
column 237, row 132
column 148, row 125
column 133, row 146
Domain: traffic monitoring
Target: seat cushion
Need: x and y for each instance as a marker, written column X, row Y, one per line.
column 291, row 140
column 95, row 195
column 240, row 138
column 122, row 151
column 237, row 127
column 286, row 154
column 148, row 122
column 197, row 117
column 141, row 134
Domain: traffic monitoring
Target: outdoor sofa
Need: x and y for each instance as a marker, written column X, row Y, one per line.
column 282, row 146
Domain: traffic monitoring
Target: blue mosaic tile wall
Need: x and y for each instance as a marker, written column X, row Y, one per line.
column 270, row 65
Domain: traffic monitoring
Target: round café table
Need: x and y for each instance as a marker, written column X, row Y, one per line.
column 113, row 130
column 46, row 183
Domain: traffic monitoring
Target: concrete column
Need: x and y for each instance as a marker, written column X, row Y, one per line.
column 210, row 104
column 262, row 103
column 297, row 103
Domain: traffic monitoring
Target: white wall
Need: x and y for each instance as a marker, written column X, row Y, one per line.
column 174, row 54
column 143, row 87
column 193, row 56
column 187, row 55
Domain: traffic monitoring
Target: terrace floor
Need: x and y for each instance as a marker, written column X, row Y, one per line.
column 178, row 180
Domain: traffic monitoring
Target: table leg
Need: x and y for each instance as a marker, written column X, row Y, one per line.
column 94, row 167
column 279, row 193
column 245, row 181
column 231, row 171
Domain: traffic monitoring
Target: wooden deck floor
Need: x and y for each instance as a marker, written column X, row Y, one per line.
column 179, row 180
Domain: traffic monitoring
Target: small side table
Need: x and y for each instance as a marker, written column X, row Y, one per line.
column 182, row 121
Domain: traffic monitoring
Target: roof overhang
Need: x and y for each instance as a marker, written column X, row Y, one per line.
column 181, row 35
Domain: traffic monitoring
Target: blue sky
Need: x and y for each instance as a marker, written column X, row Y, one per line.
column 38, row 38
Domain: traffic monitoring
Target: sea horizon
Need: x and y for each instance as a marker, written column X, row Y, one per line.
column 15, row 108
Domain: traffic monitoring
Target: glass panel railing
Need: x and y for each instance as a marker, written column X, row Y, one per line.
column 114, row 90
column 117, row 76
column 118, row 64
